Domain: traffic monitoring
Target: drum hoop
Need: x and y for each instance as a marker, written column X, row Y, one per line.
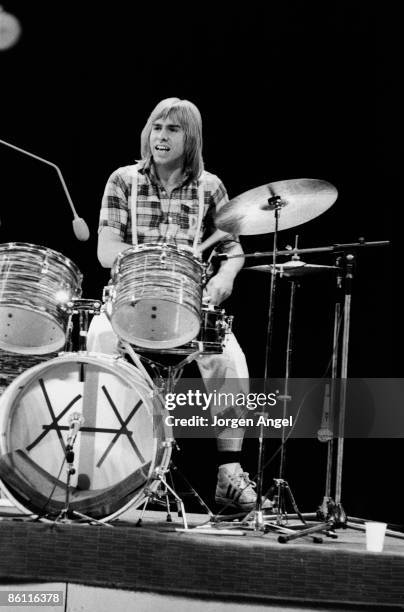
column 152, row 246
column 34, row 248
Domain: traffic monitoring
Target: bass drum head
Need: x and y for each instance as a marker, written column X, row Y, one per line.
column 121, row 446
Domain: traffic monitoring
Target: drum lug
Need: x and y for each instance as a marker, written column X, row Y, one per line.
column 229, row 323
column 45, row 266
column 159, row 472
column 168, row 443
column 81, row 305
column 107, row 292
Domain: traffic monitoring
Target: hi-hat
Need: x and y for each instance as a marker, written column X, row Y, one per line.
column 300, row 199
column 292, row 269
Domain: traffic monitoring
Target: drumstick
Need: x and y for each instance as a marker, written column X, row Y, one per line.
column 217, row 236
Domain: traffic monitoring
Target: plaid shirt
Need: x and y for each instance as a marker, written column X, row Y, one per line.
column 160, row 217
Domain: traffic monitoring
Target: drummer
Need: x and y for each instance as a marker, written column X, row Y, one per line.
column 175, row 202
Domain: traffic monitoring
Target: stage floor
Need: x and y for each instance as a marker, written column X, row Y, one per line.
column 245, row 568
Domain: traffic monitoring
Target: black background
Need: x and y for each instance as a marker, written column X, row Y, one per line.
column 285, row 92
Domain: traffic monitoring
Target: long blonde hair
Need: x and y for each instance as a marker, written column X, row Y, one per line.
column 189, row 118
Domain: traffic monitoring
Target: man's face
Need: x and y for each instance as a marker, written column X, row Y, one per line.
column 167, row 143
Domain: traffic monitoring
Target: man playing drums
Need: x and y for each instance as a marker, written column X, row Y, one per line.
column 168, row 198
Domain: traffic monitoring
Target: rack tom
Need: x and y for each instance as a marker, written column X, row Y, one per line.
column 154, row 298
column 36, row 284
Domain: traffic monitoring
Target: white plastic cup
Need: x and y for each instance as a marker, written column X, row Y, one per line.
column 375, row 536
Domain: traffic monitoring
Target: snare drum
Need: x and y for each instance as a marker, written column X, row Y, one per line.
column 216, row 325
column 120, row 448
column 155, row 296
column 35, row 285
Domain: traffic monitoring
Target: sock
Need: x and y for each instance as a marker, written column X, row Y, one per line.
column 228, row 457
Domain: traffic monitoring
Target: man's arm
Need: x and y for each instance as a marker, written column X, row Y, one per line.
column 113, row 218
column 110, row 244
column 220, row 285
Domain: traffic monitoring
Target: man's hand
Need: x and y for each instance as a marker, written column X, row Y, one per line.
column 218, row 288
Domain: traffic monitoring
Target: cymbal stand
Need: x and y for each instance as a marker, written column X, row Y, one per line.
column 256, row 517
column 280, row 488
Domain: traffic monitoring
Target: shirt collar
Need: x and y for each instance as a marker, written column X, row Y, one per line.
column 147, row 168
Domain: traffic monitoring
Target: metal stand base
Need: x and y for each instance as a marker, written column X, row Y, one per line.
column 270, row 521
column 333, row 517
column 72, row 516
column 164, row 492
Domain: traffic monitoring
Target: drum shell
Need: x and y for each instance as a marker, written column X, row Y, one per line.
column 211, row 338
column 109, row 479
column 36, row 283
column 155, row 296
column 13, row 365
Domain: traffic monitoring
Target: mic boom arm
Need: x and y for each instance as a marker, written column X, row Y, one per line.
column 80, row 227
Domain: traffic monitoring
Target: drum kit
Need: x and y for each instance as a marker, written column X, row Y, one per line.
column 105, row 408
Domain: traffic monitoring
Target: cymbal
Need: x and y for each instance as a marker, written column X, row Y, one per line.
column 292, row 269
column 301, row 200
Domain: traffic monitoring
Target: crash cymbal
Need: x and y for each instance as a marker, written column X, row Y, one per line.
column 301, row 200
column 292, row 269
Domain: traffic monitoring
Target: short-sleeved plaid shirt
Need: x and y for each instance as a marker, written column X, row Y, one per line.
column 160, row 217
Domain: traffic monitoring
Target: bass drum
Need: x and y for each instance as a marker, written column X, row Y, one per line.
column 122, row 444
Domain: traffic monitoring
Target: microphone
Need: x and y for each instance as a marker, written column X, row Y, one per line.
column 76, row 420
column 80, row 227
column 325, row 433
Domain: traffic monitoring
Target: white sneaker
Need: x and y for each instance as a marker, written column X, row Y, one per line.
column 235, row 489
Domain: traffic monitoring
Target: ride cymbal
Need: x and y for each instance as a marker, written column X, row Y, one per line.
column 252, row 212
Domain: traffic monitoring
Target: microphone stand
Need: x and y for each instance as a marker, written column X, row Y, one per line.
column 67, row 515
column 80, row 227
column 329, row 432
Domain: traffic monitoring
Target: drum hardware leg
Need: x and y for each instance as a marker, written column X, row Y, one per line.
column 83, row 329
column 126, row 347
column 68, row 347
column 166, row 489
column 146, row 501
column 193, row 492
column 282, row 489
column 169, row 518
column 179, row 501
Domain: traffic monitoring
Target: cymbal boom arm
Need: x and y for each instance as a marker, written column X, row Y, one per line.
column 335, row 248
